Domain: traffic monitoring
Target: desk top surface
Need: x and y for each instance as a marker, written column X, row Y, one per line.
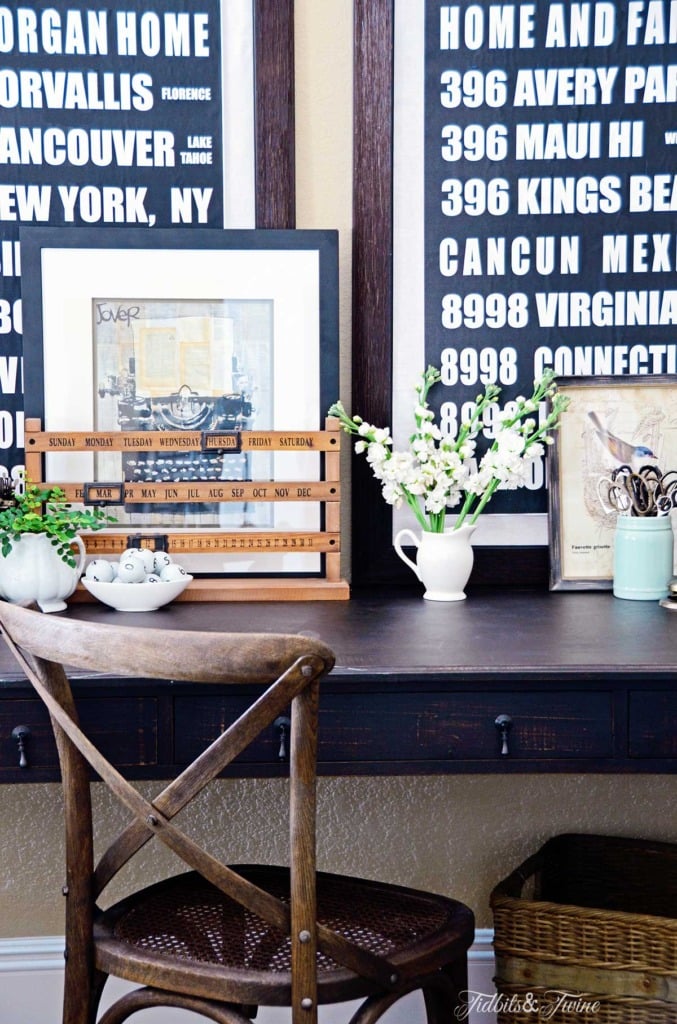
column 401, row 635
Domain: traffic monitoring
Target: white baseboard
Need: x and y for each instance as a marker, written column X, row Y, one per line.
column 31, row 985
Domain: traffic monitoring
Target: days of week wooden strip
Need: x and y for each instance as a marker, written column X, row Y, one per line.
column 188, row 440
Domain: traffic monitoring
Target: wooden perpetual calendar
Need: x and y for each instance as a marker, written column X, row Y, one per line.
column 325, row 541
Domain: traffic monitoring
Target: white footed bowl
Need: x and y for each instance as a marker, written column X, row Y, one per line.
column 136, row 597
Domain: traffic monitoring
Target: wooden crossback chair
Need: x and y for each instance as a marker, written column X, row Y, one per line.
column 218, row 940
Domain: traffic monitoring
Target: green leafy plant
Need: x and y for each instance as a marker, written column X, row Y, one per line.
column 35, row 509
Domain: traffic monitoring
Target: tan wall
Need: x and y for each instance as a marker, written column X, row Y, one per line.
column 456, row 834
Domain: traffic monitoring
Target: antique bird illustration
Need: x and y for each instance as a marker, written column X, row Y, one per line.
column 624, row 452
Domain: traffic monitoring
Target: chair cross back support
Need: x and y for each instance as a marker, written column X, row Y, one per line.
column 285, row 936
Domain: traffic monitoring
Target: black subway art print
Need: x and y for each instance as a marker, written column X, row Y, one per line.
column 110, row 116
column 550, row 197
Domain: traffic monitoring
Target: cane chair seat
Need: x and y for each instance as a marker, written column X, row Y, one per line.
column 185, row 920
column 221, row 940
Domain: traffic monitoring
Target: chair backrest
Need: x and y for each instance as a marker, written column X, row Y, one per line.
column 288, row 666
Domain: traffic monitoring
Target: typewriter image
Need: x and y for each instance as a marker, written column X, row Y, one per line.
column 184, row 410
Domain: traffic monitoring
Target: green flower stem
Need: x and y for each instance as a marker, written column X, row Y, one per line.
column 485, row 499
column 470, row 499
column 471, row 427
column 413, row 503
column 437, row 521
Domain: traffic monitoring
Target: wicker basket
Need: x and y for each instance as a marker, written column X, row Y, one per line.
column 585, row 930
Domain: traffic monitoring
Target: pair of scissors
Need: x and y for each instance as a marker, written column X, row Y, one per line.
column 668, row 485
column 637, row 493
column 659, row 491
column 613, row 497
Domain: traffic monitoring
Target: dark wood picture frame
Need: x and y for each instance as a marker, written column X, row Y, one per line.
column 274, row 113
column 374, row 561
column 565, row 471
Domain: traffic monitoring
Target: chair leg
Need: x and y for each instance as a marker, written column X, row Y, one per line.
column 440, row 994
column 457, row 972
column 98, row 982
column 144, row 998
column 374, row 1007
column 444, row 1000
column 82, row 994
column 451, row 996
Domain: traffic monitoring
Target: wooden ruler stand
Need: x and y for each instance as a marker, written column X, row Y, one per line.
column 328, row 586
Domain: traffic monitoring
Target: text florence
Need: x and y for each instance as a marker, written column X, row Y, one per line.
column 655, row 308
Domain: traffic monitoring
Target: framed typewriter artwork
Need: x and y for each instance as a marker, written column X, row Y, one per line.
column 191, row 368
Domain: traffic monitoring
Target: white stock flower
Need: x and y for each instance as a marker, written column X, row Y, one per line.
column 377, row 457
column 400, row 466
column 436, row 499
column 510, row 442
column 392, row 493
column 421, row 448
column 433, row 431
column 382, row 435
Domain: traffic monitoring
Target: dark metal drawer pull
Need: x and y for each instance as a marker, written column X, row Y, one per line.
column 21, row 733
column 504, row 724
column 282, row 726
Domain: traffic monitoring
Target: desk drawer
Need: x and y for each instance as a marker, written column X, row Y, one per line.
column 430, row 727
column 198, row 721
column 653, row 723
column 125, row 729
column 462, row 726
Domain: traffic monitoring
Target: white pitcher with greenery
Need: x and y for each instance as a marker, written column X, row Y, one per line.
column 439, row 472
column 39, row 531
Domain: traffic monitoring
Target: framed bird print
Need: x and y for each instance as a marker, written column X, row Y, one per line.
column 611, row 422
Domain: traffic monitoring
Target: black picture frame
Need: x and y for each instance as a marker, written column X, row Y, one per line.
column 374, row 562
column 35, row 241
column 295, row 272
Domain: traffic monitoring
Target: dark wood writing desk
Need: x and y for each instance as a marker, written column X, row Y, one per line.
column 587, row 683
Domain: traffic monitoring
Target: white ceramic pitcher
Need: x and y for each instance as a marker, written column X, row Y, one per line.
column 34, row 571
column 443, row 563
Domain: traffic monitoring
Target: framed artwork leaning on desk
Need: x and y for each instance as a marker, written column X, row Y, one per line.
column 611, row 422
column 191, row 334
